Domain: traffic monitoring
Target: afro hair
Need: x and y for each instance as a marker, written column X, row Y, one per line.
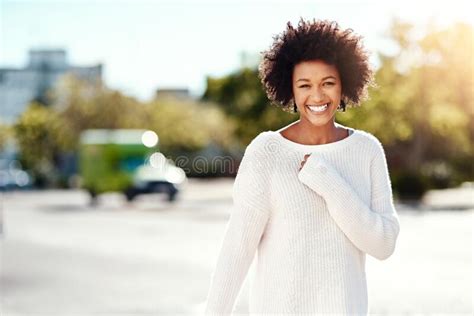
column 311, row 40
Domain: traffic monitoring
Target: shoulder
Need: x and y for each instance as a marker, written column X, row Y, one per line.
column 263, row 145
column 370, row 143
column 258, row 153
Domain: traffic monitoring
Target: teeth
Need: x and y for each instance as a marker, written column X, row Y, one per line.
column 318, row 108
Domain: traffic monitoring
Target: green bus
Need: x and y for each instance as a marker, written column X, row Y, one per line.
column 128, row 161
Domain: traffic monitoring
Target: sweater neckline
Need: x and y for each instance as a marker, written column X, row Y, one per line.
column 329, row 146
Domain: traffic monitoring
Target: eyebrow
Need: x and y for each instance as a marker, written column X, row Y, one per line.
column 327, row 77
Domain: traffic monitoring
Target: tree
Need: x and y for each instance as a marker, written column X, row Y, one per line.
column 41, row 135
column 5, row 135
column 83, row 105
column 185, row 126
column 241, row 96
column 422, row 109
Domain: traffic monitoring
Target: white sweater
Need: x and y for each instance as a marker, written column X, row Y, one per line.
column 311, row 228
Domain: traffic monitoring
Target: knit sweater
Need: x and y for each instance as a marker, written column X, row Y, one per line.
column 311, row 229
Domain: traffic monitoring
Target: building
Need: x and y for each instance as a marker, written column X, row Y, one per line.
column 18, row 87
column 178, row 93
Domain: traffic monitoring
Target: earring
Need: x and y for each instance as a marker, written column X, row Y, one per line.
column 295, row 108
column 342, row 106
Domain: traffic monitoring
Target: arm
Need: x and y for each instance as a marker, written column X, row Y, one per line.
column 249, row 215
column 372, row 228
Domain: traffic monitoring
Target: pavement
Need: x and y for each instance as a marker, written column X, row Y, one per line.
column 59, row 256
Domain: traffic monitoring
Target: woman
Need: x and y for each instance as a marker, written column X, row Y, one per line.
column 313, row 198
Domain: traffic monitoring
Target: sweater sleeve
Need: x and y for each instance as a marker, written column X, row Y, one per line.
column 248, row 218
column 372, row 228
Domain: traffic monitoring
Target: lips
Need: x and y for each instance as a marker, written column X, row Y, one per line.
column 318, row 108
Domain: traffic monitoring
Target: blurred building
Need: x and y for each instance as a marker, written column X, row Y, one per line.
column 178, row 93
column 19, row 86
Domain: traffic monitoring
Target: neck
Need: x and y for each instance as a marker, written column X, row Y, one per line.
column 316, row 135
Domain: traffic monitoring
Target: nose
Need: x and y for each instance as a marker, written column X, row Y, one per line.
column 318, row 96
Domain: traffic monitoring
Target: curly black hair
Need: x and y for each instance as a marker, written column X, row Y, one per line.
column 311, row 40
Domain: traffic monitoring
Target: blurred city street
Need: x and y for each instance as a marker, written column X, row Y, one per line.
column 62, row 257
column 125, row 99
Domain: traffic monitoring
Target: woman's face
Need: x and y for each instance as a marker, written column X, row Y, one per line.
column 315, row 85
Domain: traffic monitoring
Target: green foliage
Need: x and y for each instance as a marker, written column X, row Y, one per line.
column 242, row 98
column 423, row 107
column 186, row 126
column 183, row 126
column 41, row 135
column 84, row 106
column 6, row 134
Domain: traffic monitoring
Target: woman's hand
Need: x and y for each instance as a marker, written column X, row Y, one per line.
column 304, row 161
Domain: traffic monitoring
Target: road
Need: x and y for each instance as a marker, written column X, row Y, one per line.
column 61, row 257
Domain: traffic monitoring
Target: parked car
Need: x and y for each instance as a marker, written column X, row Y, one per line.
column 12, row 176
column 128, row 161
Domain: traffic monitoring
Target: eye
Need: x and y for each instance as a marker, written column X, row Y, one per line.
column 329, row 83
column 304, row 86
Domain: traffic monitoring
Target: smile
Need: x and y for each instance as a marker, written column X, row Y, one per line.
column 318, row 109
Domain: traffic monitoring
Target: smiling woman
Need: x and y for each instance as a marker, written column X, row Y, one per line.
column 317, row 90
column 314, row 197
column 340, row 50
column 316, row 69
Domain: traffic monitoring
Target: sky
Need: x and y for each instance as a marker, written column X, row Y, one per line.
column 145, row 45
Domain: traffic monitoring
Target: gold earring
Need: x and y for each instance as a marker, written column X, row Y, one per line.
column 342, row 106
